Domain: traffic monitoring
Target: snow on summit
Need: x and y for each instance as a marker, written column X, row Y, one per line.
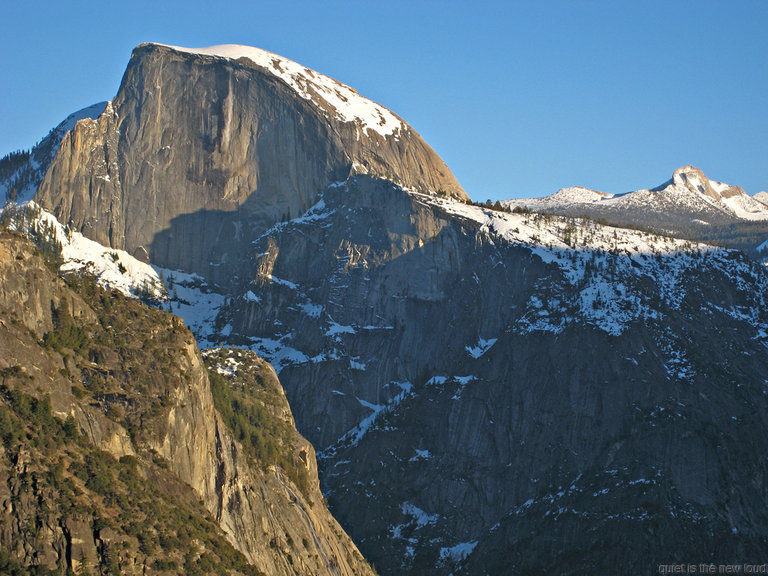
column 689, row 191
column 575, row 195
column 347, row 104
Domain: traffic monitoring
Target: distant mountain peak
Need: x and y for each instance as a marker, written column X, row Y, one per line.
column 691, row 178
column 688, row 172
column 689, row 204
column 581, row 193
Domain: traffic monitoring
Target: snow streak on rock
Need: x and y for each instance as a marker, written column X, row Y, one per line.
column 603, row 268
column 186, row 295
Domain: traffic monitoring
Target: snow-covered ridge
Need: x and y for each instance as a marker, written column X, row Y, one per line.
column 761, row 197
column 347, row 104
column 603, row 264
column 569, row 196
column 183, row 294
column 91, row 112
column 113, row 269
column 548, row 235
column 26, row 179
column 689, row 190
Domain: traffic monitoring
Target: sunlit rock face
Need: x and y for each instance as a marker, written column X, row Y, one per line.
column 198, row 153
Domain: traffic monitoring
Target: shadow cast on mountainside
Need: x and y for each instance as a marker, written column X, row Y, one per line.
column 208, row 242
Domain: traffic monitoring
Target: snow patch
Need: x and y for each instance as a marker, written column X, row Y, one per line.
column 458, row 552
column 355, row 365
column 282, row 282
column 186, row 295
column 251, row 297
column 336, row 329
column 277, row 352
column 421, row 455
column 419, row 516
column 481, row 347
column 113, row 269
column 190, row 298
column 311, row 310
column 352, row 437
column 229, row 367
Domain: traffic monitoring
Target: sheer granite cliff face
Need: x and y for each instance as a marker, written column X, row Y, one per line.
column 198, row 154
column 489, row 392
column 135, row 385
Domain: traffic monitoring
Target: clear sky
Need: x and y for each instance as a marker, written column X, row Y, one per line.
column 519, row 98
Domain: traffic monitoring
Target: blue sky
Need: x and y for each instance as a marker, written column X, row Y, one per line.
column 519, row 98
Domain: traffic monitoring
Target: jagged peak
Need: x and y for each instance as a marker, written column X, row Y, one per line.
column 688, row 172
column 693, row 179
column 341, row 101
column 691, row 182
